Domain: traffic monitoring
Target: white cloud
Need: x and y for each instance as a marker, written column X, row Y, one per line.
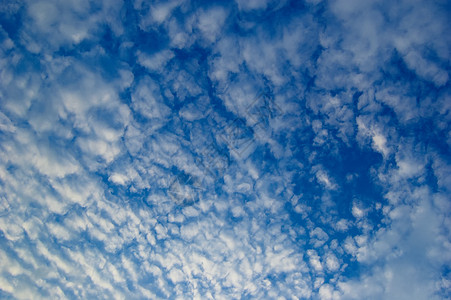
column 156, row 61
column 118, row 179
column 148, row 101
column 211, row 23
column 332, row 262
column 357, row 211
column 324, row 179
column 53, row 24
column 314, row 260
column 326, row 292
column 252, row 4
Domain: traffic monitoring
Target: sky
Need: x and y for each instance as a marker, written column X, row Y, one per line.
column 247, row 149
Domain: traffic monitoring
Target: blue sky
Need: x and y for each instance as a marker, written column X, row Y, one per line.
column 225, row 150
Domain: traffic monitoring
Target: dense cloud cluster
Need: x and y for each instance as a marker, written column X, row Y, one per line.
column 223, row 150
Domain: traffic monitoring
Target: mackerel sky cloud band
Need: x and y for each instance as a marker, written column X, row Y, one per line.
column 225, row 149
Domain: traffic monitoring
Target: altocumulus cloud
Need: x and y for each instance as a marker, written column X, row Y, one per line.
column 225, row 150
